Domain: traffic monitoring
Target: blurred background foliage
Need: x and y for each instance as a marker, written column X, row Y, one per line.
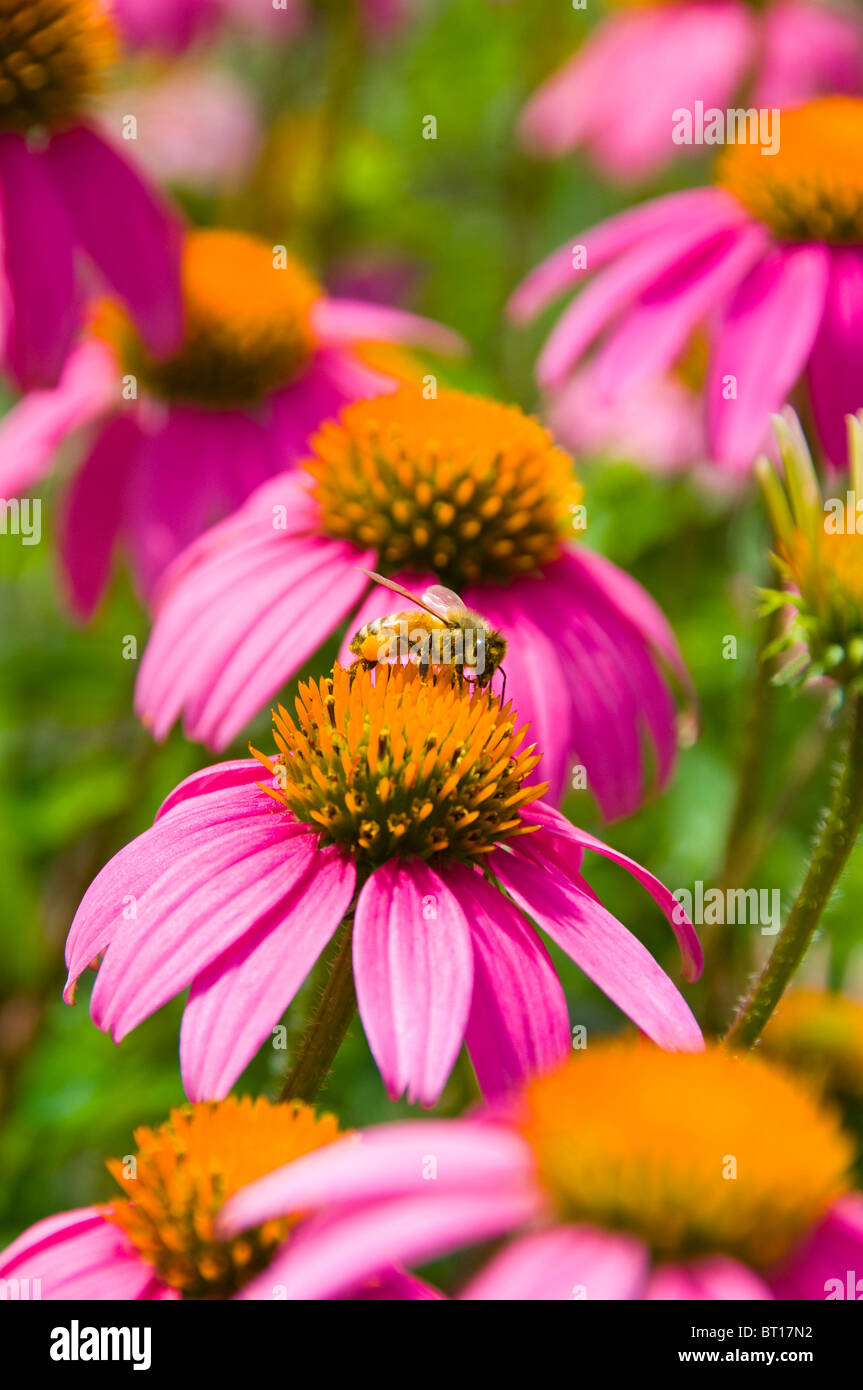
column 345, row 178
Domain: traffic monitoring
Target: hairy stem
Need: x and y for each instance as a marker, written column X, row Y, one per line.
column 327, row 1027
column 835, row 841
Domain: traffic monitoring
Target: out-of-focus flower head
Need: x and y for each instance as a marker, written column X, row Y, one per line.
column 629, row 1173
column 160, row 1239
column 819, row 1033
column 769, row 264
column 819, row 555
column 648, row 59
column 179, row 441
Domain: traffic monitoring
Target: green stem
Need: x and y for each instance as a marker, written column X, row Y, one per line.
column 327, row 1027
column 836, row 839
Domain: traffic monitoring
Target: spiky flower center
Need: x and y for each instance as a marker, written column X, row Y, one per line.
column 389, row 762
column 247, row 323
column 457, row 485
column 827, row 569
column 812, row 188
column 53, row 54
column 185, row 1171
column 695, row 1153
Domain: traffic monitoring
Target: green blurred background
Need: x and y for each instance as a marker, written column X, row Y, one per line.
column 345, row 176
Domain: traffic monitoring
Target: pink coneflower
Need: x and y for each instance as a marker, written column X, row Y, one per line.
column 616, row 96
column 770, row 262
column 459, row 487
column 396, row 804
column 180, row 441
column 630, row 1173
column 658, row 426
column 159, row 1241
column 66, row 193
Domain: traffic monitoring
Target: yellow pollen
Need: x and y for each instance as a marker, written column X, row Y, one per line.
column 389, row 762
column 457, row 485
column 247, row 323
column 53, row 54
column 695, row 1153
column 827, row 569
column 185, row 1171
column 812, row 189
column 819, row 1034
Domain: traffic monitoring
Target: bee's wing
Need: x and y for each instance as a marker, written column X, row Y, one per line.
column 444, row 603
column 441, row 603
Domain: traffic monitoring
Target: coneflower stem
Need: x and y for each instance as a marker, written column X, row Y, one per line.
column 327, row 1027
column 835, row 841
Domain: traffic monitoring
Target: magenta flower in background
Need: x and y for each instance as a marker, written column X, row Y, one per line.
column 397, row 803
column 174, row 444
column 159, row 1240
column 174, row 25
column 659, row 425
column 771, row 273
column 607, row 1174
column 67, row 196
column 616, row 95
column 459, row 487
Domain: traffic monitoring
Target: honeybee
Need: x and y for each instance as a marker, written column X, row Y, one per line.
column 438, row 631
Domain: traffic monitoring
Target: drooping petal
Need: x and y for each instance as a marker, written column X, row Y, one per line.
column 576, row 840
column 41, row 308
column 340, row 321
column 606, row 241
column 34, row 429
column 518, row 1024
column 413, row 967
column 761, row 347
column 130, row 233
column 836, row 366
column 602, row 947
column 93, row 509
column 236, row 1001
column 565, row 1263
column 613, row 291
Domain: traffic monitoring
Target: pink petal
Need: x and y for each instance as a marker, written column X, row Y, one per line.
column 340, row 321
column 38, row 245
column 92, row 511
column 809, row 49
column 130, row 233
column 34, row 429
column 237, row 1000
column 627, row 278
column 78, row 1255
column 836, row 365
column 518, row 1024
column 409, row 1158
column 565, row 1263
column 395, row 1285
column 832, row 1251
column 197, row 906
column 655, row 333
column 608, row 240
column 763, row 341
column 330, row 1254
column 227, row 776
column 558, row 827
column 115, row 892
column 413, row 967
column 602, row 947
column 717, row 1277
